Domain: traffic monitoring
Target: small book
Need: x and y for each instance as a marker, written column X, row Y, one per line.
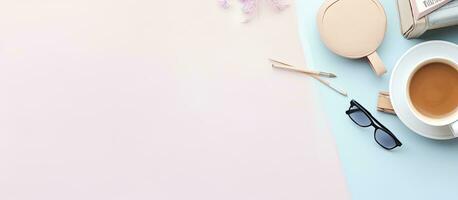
column 422, row 8
column 445, row 16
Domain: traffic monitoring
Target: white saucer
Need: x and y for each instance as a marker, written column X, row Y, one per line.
column 398, row 85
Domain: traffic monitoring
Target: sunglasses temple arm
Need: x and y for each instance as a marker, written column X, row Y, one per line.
column 350, row 111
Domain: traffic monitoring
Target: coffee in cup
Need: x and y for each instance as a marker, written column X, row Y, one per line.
column 433, row 92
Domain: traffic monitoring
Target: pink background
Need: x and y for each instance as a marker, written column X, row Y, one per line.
column 157, row 100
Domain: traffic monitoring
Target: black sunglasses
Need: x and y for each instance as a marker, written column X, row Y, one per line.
column 363, row 118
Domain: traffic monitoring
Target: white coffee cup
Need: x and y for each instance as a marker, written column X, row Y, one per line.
column 450, row 120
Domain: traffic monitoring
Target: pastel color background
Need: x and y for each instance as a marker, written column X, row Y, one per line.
column 421, row 168
column 165, row 100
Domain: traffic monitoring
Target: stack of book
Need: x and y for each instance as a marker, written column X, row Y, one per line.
column 419, row 16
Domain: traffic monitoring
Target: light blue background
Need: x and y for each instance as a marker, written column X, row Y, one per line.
column 421, row 168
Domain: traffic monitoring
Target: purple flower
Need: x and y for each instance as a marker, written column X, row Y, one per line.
column 249, row 6
column 224, row 4
column 278, row 4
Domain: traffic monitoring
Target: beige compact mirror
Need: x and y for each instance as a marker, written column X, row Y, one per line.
column 353, row 29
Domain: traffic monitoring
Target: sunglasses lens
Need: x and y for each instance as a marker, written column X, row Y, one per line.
column 385, row 139
column 359, row 117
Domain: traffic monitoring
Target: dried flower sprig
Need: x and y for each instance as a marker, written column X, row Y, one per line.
column 250, row 7
column 278, row 4
column 224, row 4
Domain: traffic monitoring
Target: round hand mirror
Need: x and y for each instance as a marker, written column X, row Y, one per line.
column 353, row 29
